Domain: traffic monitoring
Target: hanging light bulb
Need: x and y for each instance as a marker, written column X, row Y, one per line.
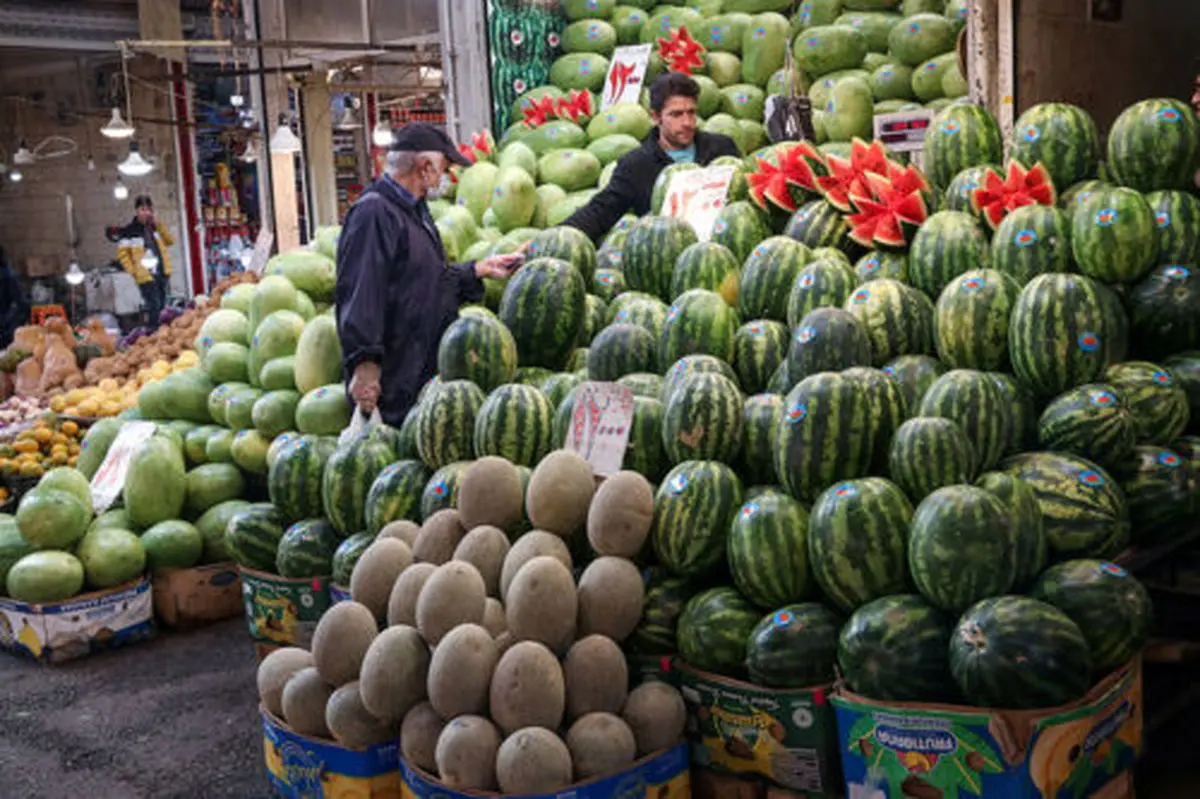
column 23, row 156
column 116, row 127
column 149, row 261
column 15, row 175
column 250, row 154
column 120, row 190
column 381, row 135
column 74, row 273
column 349, row 120
column 134, row 165
column 284, row 140
column 237, row 100
column 91, row 163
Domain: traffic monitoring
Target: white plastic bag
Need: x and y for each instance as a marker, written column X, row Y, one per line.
column 360, row 425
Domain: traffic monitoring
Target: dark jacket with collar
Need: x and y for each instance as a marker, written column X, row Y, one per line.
column 633, row 182
column 395, row 293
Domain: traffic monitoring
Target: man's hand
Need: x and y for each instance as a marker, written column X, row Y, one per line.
column 364, row 386
column 497, row 266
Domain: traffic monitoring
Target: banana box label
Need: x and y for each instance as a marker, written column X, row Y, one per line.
column 299, row 767
column 282, row 611
column 934, row 751
column 666, row 775
column 60, row 631
column 788, row 737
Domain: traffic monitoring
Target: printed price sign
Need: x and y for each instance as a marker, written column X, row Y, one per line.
column 623, row 84
column 697, row 196
column 903, row 131
column 262, row 251
column 109, row 479
column 600, row 424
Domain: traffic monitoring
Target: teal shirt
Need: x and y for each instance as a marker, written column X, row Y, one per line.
column 685, row 156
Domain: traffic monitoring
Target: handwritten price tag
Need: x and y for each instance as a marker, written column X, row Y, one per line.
column 697, row 196
column 626, row 71
column 600, row 423
column 109, row 479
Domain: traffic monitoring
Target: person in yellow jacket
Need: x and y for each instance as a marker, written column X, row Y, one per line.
column 142, row 250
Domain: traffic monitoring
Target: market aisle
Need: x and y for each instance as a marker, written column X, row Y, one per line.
column 175, row 717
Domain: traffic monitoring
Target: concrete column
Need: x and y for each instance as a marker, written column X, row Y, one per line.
column 161, row 19
column 465, row 69
column 318, row 145
column 284, row 203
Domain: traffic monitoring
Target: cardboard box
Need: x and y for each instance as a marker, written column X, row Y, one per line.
column 200, row 595
column 40, row 266
column 307, row 768
column 711, row 785
column 1084, row 749
column 282, row 611
column 665, row 775
column 787, row 737
column 93, row 622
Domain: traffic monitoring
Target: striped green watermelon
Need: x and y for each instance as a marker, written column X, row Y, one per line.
column 1188, row 448
column 768, row 550
column 693, row 509
column 876, row 265
column 396, row 494
column 1061, row 137
column 959, row 137
column 692, row 364
column 819, row 224
column 515, row 422
column 962, row 188
column 441, row 491
column 820, row 284
column 962, row 547
column 928, row 453
column 1159, row 407
column 706, row 265
column 1155, row 481
column 1022, row 430
column 1080, row 193
column 1110, row 607
column 1062, row 333
column 595, row 317
column 643, row 384
column 767, row 277
column 824, row 436
column 713, row 629
column 887, row 411
column 1091, row 421
column 1185, row 369
column 666, row 597
column 1083, row 509
column 827, row 340
column 382, row 434
column 1164, row 310
column 644, row 452
column 856, row 541
column 306, row 549
column 914, row 374
column 740, row 227
column 699, row 322
column 566, row 244
column 556, row 387
column 1177, row 220
column 252, row 536
column 781, row 381
column 898, row 319
column 619, row 350
column 294, row 479
column 1153, row 145
column 760, row 425
column 972, row 320
column 447, row 423
column 533, row 375
column 1114, row 237
column 608, row 283
column 576, row 364
column 893, row 649
column 636, row 308
column 651, row 250
column 346, row 556
column 973, row 400
column 948, row 244
column 1014, row 652
column 794, row 647
column 1028, row 528
column 702, row 420
column 543, row 306
column 478, row 349
column 349, row 474
column 1031, row 241
column 406, row 445
column 758, row 349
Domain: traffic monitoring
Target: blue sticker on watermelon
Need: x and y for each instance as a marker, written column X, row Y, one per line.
column 828, row 109
column 759, row 33
column 716, row 34
column 872, row 263
column 782, row 618
column 593, row 32
column 1103, row 398
column 719, row 226
column 1112, row 570
column 797, row 413
column 805, row 14
column 1161, row 377
column 441, row 488
column 931, row 66
column 971, row 285
column 1169, row 459
column 1162, row 218
column 860, row 296
column 1082, row 197
column 1092, row 478
column 888, row 370
column 1089, row 342
column 749, row 509
column 812, row 41
column 1171, row 115
column 755, row 330
column 1176, row 272
column 886, row 72
column 672, row 314
column 1106, row 217
column 915, row 27
column 678, row 484
column 1031, row 133
column 585, row 67
column 1026, row 238
column 806, row 281
column 605, row 279
column 844, row 490
column 806, row 334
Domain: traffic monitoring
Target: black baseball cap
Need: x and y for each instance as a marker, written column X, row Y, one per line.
column 420, row 137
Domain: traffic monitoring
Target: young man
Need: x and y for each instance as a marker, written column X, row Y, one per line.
column 675, row 140
column 153, row 275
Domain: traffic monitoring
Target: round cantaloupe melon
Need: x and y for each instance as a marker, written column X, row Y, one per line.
column 303, row 702
column 611, row 592
column 596, row 677
column 375, row 574
column 533, row 544
column 466, row 753
column 439, row 537
column 419, row 736
column 527, row 689
column 454, row 594
column 542, row 604
column 490, row 492
column 656, row 714
column 392, row 679
column 560, row 492
column 485, row 548
column 620, row 515
column 600, row 744
column 402, row 602
column 341, row 640
column 460, row 674
column 351, row 724
column 275, row 671
column 533, row 760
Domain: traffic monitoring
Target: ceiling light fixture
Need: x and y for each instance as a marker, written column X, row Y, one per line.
column 237, row 100
column 134, row 165
column 23, row 156
column 91, row 163
column 349, row 120
column 381, row 135
column 116, row 127
column 74, row 273
column 284, row 140
column 120, row 190
column 15, row 175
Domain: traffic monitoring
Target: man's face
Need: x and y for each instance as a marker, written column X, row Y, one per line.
column 432, row 171
column 144, row 214
column 677, row 122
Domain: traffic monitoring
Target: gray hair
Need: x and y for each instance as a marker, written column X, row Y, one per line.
column 402, row 162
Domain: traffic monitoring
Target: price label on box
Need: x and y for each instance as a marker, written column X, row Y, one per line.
column 109, row 479
column 600, row 422
column 697, row 196
column 626, row 71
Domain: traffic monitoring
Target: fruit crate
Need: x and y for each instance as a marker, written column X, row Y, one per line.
column 17, row 487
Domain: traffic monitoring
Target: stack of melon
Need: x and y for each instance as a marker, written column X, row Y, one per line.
column 498, row 666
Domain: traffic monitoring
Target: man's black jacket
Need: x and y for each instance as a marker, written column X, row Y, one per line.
column 633, row 182
column 395, row 293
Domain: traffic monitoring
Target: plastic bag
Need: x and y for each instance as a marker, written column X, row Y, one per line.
column 360, row 425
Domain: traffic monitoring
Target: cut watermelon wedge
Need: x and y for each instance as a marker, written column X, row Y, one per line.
column 998, row 197
column 845, row 177
column 887, row 215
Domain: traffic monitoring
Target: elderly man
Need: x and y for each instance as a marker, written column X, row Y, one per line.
column 396, row 293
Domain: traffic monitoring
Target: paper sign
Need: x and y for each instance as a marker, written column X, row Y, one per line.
column 600, row 423
column 109, row 479
column 262, row 251
column 697, row 196
column 623, row 84
column 903, row 131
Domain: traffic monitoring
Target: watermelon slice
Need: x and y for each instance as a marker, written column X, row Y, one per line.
column 575, row 107
column 788, row 183
column 537, row 113
column 681, row 53
column 1000, row 196
column 846, row 176
column 888, row 212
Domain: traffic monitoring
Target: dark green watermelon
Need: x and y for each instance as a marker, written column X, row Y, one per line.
column 794, row 647
column 893, row 649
